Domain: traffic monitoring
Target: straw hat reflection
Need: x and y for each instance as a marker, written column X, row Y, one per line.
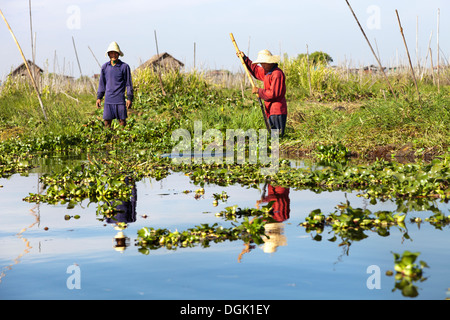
column 121, row 242
column 275, row 232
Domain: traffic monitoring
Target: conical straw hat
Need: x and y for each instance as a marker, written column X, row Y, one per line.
column 113, row 46
column 265, row 56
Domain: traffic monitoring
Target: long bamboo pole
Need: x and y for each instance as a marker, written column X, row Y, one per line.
column 32, row 40
column 438, row 52
column 407, row 52
column 419, row 66
column 76, row 55
column 98, row 63
column 371, row 48
column 26, row 65
column 251, row 81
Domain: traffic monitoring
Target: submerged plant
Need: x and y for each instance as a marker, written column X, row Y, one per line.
column 408, row 272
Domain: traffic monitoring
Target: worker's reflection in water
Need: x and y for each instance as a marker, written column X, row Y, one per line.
column 280, row 212
column 125, row 213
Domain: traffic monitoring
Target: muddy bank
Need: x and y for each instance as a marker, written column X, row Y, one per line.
column 400, row 153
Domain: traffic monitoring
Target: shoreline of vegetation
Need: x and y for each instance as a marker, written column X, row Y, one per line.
column 326, row 106
column 331, row 113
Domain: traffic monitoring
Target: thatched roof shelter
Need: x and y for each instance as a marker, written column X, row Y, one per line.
column 21, row 70
column 163, row 61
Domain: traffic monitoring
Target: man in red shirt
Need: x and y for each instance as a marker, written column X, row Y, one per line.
column 274, row 91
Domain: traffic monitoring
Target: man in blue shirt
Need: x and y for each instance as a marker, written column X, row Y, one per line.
column 115, row 78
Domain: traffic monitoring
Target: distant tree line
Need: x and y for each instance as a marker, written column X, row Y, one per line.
column 317, row 57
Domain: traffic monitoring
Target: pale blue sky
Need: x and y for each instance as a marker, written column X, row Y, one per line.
column 285, row 26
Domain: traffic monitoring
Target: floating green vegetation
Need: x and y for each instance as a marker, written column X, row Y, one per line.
column 247, row 230
column 220, row 196
column 99, row 183
column 11, row 163
column 381, row 179
column 336, row 152
column 408, row 273
column 352, row 224
column 105, row 180
column 438, row 220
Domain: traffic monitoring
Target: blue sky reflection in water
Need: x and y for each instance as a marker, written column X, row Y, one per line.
column 34, row 261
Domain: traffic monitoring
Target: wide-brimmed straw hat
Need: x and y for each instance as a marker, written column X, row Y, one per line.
column 265, row 56
column 113, row 46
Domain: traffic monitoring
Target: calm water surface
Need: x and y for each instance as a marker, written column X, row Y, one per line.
column 39, row 249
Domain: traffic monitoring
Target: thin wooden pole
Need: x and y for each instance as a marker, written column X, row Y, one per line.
column 438, row 52
column 309, row 71
column 371, row 48
column 194, row 54
column 432, row 67
column 158, row 67
column 95, row 57
column 244, row 78
column 26, row 65
column 32, row 41
column 426, row 58
column 417, row 44
column 76, row 55
column 407, row 52
column 79, row 67
column 266, row 121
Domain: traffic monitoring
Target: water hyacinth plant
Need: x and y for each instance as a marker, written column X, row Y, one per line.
column 247, row 230
column 408, row 273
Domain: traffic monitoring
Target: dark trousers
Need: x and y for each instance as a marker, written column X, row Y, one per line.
column 278, row 121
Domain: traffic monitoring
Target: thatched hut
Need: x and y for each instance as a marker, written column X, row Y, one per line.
column 163, row 61
column 21, row 71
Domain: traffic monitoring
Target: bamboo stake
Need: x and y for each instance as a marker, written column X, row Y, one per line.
column 432, row 67
column 309, row 71
column 76, row 55
column 244, row 78
column 195, row 49
column 371, row 48
column 158, row 67
column 407, row 52
column 31, row 35
column 417, row 44
column 95, row 57
column 426, row 58
column 79, row 67
column 438, row 56
column 26, row 65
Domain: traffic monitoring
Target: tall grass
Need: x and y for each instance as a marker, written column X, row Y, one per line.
column 19, row 107
column 342, row 83
column 376, row 122
column 320, row 82
column 191, row 97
